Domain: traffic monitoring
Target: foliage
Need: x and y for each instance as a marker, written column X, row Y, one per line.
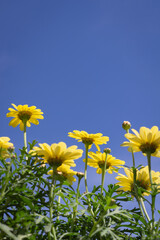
column 25, row 207
column 37, row 205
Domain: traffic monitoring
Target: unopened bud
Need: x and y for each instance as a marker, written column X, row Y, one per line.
column 8, row 163
column 13, row 156
column 126, row 125
column 11, row 149
column 80, row 175
column 107, row 150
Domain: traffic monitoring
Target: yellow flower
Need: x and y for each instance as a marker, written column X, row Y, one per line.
column 97, row 160
column 147, row 141
column 4, row 146
column 64, row 173
column 89, row 139
column 57, row 154
column 142, row 180
column 24, row 114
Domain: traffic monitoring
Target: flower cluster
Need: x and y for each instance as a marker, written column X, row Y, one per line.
column 146, row 141
column 61, row 158
column 58, row 161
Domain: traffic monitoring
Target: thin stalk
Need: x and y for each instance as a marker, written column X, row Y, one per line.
column 144, row 209
column 149, row 167
column 59, row 200
column 25, row 136
column 134, row 168
column 153, row 196
column 51, row 198
column 79, row 180
column 135, row 186
column 85, row 179
column 25, row 139
column 139, row 200
column 134, row 176
column 140, row 207
column 96, row 223
column 75, row 208
column 103, row 174
column 85, row 172
column 133, row 160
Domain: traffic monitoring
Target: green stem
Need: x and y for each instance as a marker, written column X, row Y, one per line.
column 149, row 167
column 140, row 203
column 152, row 190
column 134, row 168
column 85, row 179
column 25, row 140
column 103, row 174
column 95, row 224
column 137, row 198
column 59, row 200
column 79, row 180
column 75, row 208
column 144, row 209
column 133, row 159
column 85, row 172
column 51, row 198
column 25, row 136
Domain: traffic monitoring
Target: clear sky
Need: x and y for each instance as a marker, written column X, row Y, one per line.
column 89, row 65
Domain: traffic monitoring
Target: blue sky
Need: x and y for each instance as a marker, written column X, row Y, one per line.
column 89, row 65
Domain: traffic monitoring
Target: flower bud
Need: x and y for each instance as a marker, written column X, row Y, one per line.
column 80, row 175
column 107, row 150
column 13, row 156
column 8, row 163
column 11, row 149
column 126, row 125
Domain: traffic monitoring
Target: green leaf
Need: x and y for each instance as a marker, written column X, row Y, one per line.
column 27, row 201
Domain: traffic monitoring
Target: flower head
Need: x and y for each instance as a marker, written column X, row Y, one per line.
column 142, row 180
column 89, row 139
column 22, row 114
column 64, row 173
column 147, row 141
column 57, row 154
column 97, row 160
column 5, row 145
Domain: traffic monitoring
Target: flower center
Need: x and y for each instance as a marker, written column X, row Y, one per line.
column 87, row 141
column 60, row 176
column 24, row 115
column 148, row 148
column 55, row 162
column 101, row 164
column 142, row 184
